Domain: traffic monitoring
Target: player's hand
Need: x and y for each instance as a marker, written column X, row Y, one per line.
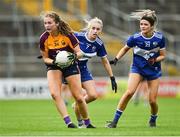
column 113, row 84
column 54, row 62
column 72, row 57
column 151, row 61
column 114, row 61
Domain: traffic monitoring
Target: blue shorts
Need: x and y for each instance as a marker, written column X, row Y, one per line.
column 85, row 73
column 71, row 70
column 147, row 72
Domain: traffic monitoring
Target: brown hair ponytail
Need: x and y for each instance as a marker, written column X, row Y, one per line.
column 63, row 27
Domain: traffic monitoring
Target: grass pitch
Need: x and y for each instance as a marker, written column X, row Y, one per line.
column 40, row 118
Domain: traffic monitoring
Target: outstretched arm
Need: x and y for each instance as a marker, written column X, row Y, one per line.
column 120, row 54
column 107, row 66
column 108, row 69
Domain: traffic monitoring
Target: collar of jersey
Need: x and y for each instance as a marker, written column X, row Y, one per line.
column 146, row 37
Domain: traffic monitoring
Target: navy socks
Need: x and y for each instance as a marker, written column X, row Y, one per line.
column 117, row 116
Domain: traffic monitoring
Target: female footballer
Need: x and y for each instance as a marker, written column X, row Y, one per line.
column 58, row 36
column 148, row 51
column 92, row 45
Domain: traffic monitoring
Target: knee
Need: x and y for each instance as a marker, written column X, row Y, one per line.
column 54, row 96
column 79, row 99
column 92, row 97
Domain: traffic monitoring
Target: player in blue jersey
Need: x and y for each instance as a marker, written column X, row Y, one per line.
column 148, row 51
column 91, row 45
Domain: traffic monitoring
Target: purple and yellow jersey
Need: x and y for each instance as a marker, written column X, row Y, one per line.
column 52, row 45
column 145, row 48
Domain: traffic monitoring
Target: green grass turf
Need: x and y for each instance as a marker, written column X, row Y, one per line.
column 40, row 118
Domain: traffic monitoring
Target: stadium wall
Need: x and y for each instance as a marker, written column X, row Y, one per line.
column 37, row 88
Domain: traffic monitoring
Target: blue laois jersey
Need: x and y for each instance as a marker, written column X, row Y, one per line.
column 145, row 48
column 96, row 47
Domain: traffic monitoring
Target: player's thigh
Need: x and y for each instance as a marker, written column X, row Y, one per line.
column 54, row 80
column 133, row 82
column 89, row 86
column 74, row 83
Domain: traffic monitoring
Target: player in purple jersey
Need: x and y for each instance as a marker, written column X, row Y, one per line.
column 92, row 45
column 59, row 36
column 148, row 51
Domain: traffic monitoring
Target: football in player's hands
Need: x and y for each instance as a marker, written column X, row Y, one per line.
column 63, row 59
